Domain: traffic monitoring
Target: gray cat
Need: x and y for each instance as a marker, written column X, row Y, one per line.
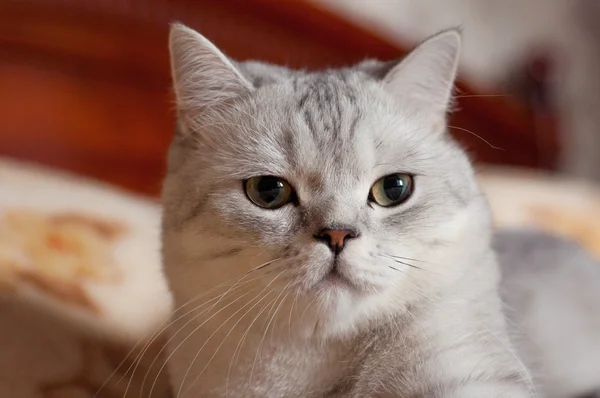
column 551, row 290
column 324, row 236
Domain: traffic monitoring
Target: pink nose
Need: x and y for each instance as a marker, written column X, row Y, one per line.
column 336, row 238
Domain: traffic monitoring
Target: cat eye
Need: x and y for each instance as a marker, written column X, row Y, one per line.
column 268, row 192
column 392, row 189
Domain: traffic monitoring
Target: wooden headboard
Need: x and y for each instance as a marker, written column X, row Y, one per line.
column 84, row 85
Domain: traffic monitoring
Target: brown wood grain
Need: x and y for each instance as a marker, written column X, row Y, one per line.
column 84, row 85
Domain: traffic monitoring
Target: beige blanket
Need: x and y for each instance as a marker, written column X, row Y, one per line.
column 81, row 291
column 80, row 286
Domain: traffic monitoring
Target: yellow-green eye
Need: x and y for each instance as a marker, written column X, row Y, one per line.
column 268, row 191
column 392, row 189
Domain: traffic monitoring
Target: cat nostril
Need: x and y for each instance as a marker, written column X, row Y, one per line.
column 336, row 238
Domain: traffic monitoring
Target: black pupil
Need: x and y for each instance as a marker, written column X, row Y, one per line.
column 269, row 189
column 394, row 187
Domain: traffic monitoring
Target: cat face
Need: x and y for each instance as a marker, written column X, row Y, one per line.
column 342, row 184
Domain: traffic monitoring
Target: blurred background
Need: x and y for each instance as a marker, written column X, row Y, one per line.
column 85, row 84
column 86, row 116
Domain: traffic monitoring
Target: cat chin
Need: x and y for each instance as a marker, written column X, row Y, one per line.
column 341, row 311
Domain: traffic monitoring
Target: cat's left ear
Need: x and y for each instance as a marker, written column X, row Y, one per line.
column 425, row 78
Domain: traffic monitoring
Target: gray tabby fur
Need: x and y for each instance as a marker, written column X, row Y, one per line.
column 551, row 288
column 420, row 315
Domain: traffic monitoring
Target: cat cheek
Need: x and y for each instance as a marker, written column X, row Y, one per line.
column 438, row 127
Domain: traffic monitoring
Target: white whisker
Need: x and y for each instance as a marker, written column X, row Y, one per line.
column 267, row 328
column 220, row 345
column 194, row 317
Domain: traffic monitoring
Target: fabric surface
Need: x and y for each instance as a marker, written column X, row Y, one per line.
column 81, row 290
column 560, row 205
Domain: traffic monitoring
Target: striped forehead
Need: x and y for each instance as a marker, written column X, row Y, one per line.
column 327, row 115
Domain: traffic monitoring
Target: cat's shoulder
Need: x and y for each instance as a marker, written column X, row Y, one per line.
column 538, row 251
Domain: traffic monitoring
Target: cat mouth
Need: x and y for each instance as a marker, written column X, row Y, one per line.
column 335, row 277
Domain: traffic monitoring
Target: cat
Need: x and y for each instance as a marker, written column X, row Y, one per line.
column 324, row 236
column 551, row 290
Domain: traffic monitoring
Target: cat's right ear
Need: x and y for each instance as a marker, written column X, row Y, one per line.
column 204, row 79
column 425, row 77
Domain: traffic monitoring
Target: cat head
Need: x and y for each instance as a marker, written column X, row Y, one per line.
column 339, row 185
